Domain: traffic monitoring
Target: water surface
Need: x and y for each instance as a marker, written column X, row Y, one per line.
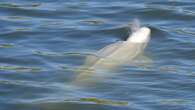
column 43, row 42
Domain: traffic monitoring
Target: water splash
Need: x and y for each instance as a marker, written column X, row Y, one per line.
column 134, row 25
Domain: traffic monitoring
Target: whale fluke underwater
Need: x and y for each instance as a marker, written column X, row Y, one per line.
column 119, row 53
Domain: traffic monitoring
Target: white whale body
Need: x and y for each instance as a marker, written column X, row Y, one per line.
column 116, row 54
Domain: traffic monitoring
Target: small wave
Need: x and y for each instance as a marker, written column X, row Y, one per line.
column 20, row 69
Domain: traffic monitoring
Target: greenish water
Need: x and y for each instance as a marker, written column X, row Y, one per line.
column 43, row 42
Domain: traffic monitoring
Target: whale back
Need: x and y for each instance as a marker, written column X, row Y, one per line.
column 134, row 45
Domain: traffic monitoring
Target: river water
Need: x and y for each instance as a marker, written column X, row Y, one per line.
column 43, row 42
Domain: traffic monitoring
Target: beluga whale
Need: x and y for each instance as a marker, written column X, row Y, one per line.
column 116, row 54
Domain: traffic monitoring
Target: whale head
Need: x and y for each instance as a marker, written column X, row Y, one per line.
column 142, row 35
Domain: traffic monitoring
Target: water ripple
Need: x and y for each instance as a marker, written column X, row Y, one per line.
column 43, row 43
